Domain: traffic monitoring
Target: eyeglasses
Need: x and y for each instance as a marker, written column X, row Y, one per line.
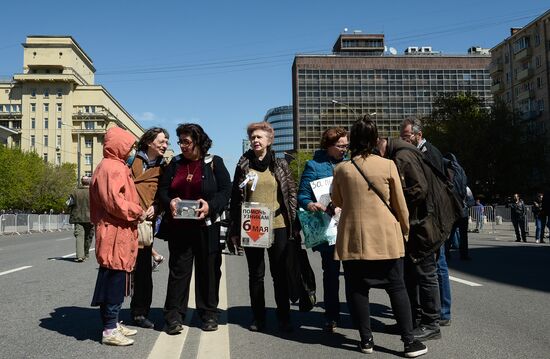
column 185, row 143
column 342, row 147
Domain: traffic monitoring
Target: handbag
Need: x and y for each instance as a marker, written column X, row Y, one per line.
column 145, row 233
column 300, row 275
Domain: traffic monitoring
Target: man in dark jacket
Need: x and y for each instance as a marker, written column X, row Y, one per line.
column 420, row 261
column 79, row 205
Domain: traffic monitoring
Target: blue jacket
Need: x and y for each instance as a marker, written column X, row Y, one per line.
column 320, row 166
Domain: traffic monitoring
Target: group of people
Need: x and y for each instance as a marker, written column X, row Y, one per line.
column 393, row 197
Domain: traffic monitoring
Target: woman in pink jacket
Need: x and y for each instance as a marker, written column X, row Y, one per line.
column 115, row 212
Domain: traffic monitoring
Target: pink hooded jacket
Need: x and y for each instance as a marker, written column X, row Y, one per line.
column 114, row 204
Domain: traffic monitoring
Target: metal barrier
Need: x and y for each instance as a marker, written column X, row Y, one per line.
column 28, row 223
column 503, row 218
column 481, row 221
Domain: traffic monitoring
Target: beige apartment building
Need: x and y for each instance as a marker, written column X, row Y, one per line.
column 520, row 74
column 54, row 107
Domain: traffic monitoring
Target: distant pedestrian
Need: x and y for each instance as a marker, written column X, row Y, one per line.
column 79, row 206
column 115, row 211
column 479, row 213
column 518, row 212
column 540, row 218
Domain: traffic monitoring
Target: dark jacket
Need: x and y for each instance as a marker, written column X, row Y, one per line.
column 433, row 208
column 216, row 189
column 285, row 185
column 434, row 156
column 518, row 210
column 80, row 205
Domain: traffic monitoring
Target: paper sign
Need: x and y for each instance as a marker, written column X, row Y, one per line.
column 256, row 225
column 321, row 190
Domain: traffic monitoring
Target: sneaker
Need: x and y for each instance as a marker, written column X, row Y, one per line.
column 157, row 261
column 330, row 326
column 210, row 325
column 143, row 322
column 367, row 347
column 415, row 349
column 444, row 322
column 423, row 333
column 116, row 338
column 79, row 260
column 173, row 328
column 538, row 241
column 124, row 330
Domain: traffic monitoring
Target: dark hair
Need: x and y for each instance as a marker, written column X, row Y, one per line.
column 149, row 136
column 197, row 134
column 363, row 137
column 331, row 136
column 416, row 125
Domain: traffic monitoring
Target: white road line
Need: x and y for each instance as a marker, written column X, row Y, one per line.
column 72, row 254
column 467, row 282
column 171, row 346
column 219, row 350
column 64, row 239
column 15, row 270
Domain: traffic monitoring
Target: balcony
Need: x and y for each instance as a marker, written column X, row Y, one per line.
column 523, row 54
column 495, row 68
column 496, row 88
column 524, row 74
column 525, row 95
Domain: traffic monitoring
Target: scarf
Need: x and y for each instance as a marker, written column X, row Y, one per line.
column 256, row 163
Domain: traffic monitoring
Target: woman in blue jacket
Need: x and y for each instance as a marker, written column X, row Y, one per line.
column 334, row 145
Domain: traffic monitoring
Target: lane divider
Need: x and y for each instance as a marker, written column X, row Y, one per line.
column 464, row 281
column 15, row 270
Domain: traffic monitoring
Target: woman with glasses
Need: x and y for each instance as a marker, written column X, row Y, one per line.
column 146, row 169
column 334, row 145
column 273, row 186
column 193, row 175
column 374, row 224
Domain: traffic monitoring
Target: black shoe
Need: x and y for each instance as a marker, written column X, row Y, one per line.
column 330, row 326
column 257, row 326
column 445, row 323
column 415, row 349
column 285, row 326
column 174, row 327
column 142, row 321
column 367, row 347
column 423, row 333
column 517, row 240
column 210, row 325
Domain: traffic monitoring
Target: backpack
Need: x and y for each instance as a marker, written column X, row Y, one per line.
column 457, row 176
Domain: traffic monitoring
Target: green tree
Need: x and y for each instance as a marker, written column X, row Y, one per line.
column 297, row 163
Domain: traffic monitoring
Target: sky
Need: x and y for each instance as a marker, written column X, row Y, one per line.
column 224, row 64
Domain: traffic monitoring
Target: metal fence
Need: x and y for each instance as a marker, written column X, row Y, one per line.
column 496, row 219
column 29, row 223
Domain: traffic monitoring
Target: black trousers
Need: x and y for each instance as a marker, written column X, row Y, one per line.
column 423, row 290
column 361, row 276
column 256, row 273
column 519, row 228
column 143, row 283
column 183, row 251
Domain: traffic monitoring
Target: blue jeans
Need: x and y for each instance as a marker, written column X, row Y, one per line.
column 109, row 314
column 444, row 285
column 539, row 224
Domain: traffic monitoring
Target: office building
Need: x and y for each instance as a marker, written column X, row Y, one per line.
column 363, row 76
column 280, row 119
column 520, row 74
column 54, row 107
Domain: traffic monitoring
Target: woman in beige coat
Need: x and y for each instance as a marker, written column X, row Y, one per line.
column 371, row 234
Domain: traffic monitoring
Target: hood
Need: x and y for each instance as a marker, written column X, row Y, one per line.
column 395, row 144
column 117, row 143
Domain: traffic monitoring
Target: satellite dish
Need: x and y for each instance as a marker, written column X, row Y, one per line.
column 393, row 51
column 345, row 29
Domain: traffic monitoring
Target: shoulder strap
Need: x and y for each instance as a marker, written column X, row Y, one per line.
column 374, row 189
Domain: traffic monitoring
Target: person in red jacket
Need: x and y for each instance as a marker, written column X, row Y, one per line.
column 115, row 211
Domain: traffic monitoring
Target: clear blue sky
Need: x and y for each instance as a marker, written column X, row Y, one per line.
column 223, row 64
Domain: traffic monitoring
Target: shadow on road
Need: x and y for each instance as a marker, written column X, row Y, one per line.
column 521, row 265
column 80, row 323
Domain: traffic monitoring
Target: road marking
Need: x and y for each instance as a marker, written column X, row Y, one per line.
column 71, row 254
column 15, row 270
column 171, row 346
column 219, row 350
column 467, row 282
column 63, row 239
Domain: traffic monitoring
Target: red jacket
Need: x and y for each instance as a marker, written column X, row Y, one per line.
column 114, row 204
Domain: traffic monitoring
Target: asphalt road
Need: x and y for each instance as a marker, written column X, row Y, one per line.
column 501, row 309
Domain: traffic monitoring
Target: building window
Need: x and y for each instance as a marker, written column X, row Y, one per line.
column 541, row 105
column 86, row 109
column 59, row 141
column 58, row 107
column 88, row 173
column 59, row 93
column 537, row 62
column 46, row 140
column 33, row 93
column 58, row 159
column 46, row 107
column 33, row 123
column 46, row 93
column 537, row 39
column 88, row 143
column 33, row 141
column 539, row 82
column 33, row 107
column 45, row 157
column 46, row 122
column 59, row 122
column 88, row 159
column 521, row 44
column 89, row 125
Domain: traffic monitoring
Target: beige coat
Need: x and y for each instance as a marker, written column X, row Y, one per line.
column 367, row 229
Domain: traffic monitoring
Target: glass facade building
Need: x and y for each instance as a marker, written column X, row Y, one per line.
column 334, row 90
column 281, row 120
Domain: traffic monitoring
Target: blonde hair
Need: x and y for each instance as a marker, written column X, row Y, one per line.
column 263, row 126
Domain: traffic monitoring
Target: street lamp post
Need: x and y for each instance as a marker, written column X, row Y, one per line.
column 336, row 102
